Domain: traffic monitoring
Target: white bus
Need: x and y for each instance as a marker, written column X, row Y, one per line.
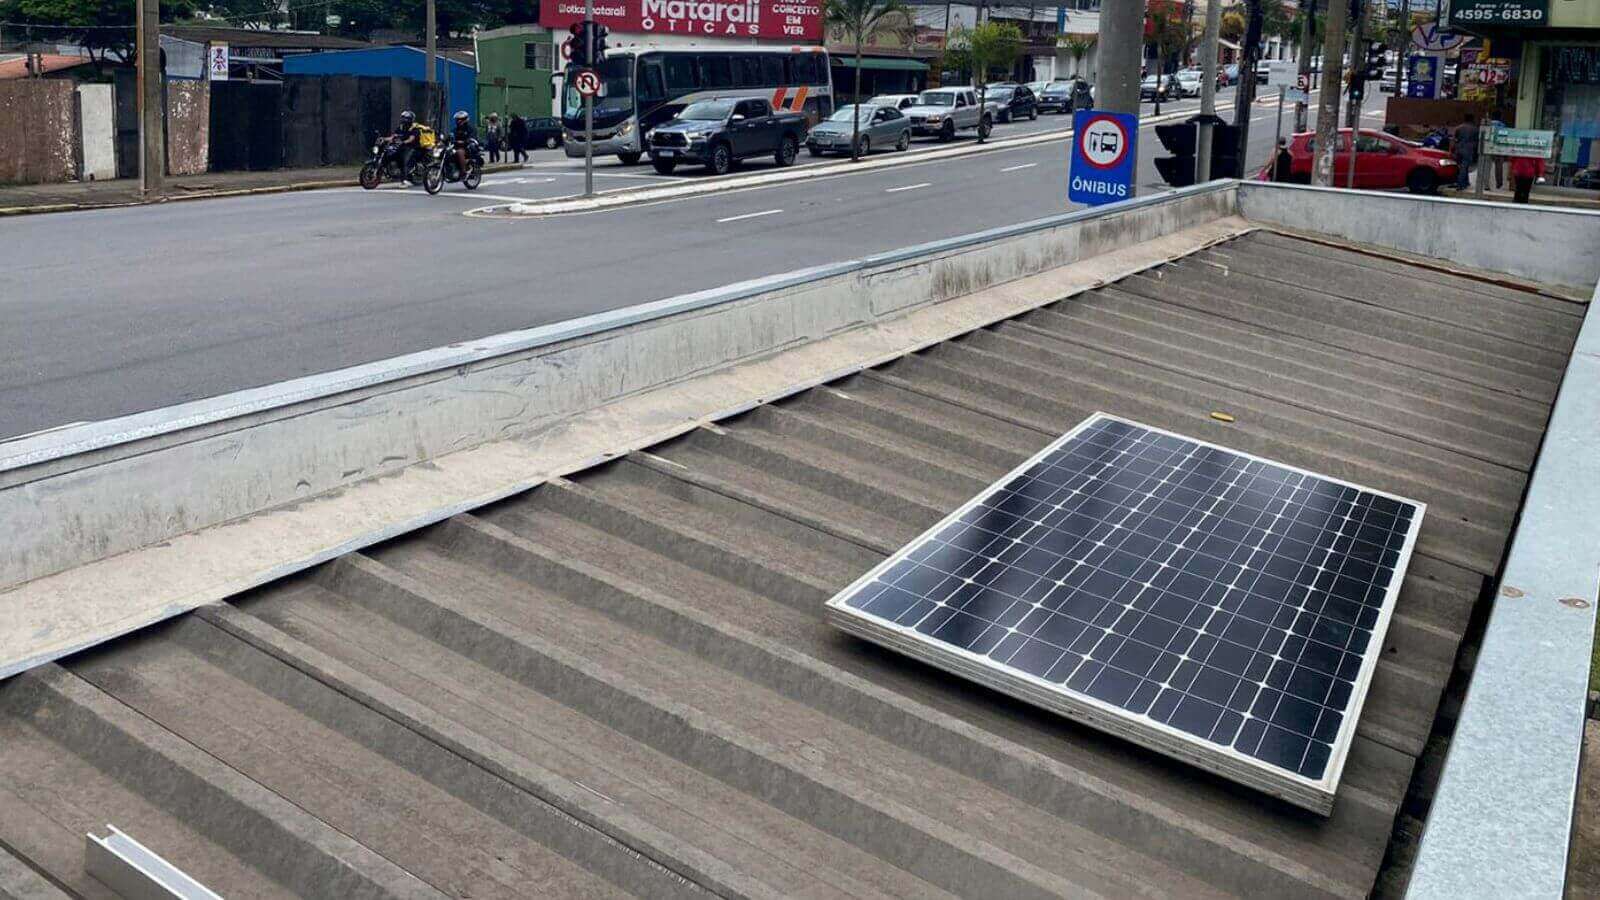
column 645, row 86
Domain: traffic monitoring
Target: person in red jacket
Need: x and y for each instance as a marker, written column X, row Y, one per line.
column 1524, row 171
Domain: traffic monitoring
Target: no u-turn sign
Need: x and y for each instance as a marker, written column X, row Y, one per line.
column 1104, row 150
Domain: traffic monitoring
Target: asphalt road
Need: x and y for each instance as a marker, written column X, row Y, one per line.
column 109, row 312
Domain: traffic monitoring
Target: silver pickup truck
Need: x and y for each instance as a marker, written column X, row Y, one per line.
column 945, row 111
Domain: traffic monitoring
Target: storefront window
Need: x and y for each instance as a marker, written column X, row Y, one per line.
column 1572, row 110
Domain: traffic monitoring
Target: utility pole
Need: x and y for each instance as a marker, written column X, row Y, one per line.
column 1245, row 97
column 1358, row 62
column 433, row 44
column 1328, row 93
column 1121, row 46
column 1402, row 34
column 152, row 124
column 1208, row 89
column 1308, row 37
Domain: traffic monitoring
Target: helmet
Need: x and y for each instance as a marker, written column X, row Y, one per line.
column 460, row 114
column 408, row 117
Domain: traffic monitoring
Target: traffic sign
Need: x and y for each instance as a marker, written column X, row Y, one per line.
column 1281, row 72
column 587, row 82
column 1104, row 150
column 1302, row 83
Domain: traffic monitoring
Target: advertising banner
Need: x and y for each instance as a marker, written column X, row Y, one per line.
column 779, row 20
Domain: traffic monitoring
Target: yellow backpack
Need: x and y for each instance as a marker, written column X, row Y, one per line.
column 425, row 137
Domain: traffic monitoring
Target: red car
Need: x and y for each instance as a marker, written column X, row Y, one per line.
column 1383, row 162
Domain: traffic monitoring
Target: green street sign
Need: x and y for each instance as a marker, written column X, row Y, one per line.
column 1524, row 13
column 1519, row 142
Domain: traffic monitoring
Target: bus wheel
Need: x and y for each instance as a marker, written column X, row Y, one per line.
column 664, row 166
column 629, row 159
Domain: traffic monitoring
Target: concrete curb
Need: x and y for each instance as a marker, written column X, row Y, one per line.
column 656, row 193
column 206, row 194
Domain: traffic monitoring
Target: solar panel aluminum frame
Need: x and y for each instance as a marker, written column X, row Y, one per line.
column 1316, row 795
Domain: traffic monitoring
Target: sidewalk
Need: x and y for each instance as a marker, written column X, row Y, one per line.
column 18, row 199
column 1542, row 195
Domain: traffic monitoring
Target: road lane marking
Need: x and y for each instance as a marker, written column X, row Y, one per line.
column 754, row 215
column 463, row 195
column 1023, row 166
column 909, row 187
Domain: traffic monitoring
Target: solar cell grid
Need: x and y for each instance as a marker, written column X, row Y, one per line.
column 1198, row 592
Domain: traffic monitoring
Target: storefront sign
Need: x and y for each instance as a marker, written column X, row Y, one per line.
column 1466, row 13
column 789, row 20
column 1422, row 75
column 1519, row 142
column 1491, row 71
column 1430, row 38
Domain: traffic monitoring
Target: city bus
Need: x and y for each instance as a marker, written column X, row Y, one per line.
column 645, row 86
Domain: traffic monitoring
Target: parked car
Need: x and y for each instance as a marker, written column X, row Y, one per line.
column 544, row 132
column 1383, row 162
column 1188, row 82
column 1012, row 102
column 1165, row 85
column 880, row 126
column 717, row 133
column 945, row 111
column 1055, row 96
column 898, row 101
column 1263, row 71
column 1228, row 74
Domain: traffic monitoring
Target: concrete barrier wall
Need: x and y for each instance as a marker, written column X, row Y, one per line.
column 98, row 127
column 1500, row 237
column 188, row 127
column 37, row 119
column 81, row 494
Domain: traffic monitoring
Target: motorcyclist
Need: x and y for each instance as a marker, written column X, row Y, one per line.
column 408, row 140
column 464, row 133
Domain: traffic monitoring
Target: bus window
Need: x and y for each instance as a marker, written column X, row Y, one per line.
column 747, row 72
column 715, row 71
column 681, row 74
column 772, row 71
column 652, row 87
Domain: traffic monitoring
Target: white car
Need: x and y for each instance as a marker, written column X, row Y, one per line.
column 1188, row 82
column 893, row 101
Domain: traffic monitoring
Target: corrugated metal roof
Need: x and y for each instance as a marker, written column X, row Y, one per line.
column 621, row 682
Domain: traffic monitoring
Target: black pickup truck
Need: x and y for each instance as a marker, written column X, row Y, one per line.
column 718, row 133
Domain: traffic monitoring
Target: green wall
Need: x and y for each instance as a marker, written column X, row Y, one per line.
column 524, row 91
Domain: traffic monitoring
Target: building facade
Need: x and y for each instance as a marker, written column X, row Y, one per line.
column 516, row 67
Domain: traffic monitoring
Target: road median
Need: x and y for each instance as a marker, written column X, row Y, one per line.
column 681, row 190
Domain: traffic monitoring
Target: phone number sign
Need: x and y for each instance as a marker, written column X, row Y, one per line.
column 1499, row 12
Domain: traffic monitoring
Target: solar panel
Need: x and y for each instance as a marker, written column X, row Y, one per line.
column 1203, row 602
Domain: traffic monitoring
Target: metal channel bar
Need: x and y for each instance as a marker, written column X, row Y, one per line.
column 135, row 872
column 1502, row 817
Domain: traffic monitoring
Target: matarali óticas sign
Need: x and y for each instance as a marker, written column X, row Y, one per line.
column 780, row 20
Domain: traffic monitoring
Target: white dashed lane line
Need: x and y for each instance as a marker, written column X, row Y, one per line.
column 1023, row 166
column 754, row 215
column 908, row 187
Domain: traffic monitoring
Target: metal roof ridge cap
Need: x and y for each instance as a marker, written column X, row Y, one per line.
column 58, row 443
column 1501, row 819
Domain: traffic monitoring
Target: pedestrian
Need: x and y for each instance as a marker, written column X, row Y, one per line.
column 494, row 134
column 1524, row 171
column 1466, row 141
column 519, row 138
column 1497, row 164
column 1282, row 162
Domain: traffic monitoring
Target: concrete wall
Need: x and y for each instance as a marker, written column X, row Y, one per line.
column 1538, row 243
column 98, row 127
column 188, row 127
column 36, row 116
column 81, row 494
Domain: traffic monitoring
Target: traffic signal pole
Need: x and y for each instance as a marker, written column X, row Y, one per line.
column 1208, row 90
column 588, row 101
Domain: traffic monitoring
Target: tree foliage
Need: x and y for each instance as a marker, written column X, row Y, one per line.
column 104, row 27
column 984, row 49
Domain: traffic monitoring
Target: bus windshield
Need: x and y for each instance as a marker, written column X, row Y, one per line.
column 616, row 95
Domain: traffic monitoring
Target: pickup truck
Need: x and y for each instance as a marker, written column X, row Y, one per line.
column 719, row 132
column 945, row 111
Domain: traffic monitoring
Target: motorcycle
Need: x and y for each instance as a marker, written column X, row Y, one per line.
column 384, row 165
column 451, row 169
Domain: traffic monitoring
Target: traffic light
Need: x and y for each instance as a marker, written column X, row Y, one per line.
column 1374, row 62
column 597, row 43
column 577, row 47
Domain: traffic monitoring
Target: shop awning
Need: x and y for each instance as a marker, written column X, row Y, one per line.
column 883, row 63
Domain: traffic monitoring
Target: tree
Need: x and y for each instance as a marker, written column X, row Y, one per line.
column 860, row 22
column 1172, row 34
column 1077, row 47
column 1233, row 25
column 103, row 27
column 981, row 50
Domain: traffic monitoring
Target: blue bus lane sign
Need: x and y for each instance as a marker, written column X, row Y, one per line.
column 1104, row 150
